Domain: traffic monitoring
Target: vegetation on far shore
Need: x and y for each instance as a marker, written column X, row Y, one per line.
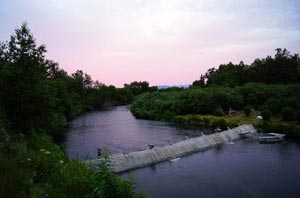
column 269, row 86
column 235, row 119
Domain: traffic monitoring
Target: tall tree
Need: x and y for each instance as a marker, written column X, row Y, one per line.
column 25, row 83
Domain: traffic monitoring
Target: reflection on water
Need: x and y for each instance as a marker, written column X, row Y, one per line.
column 117, row 129
column 240, row 169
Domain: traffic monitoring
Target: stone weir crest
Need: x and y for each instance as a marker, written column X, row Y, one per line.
column 121, row 162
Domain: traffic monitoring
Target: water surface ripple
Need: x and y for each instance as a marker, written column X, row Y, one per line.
column 242, row 169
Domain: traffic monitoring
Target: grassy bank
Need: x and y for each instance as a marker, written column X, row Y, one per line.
column 33, row 166
column 275, row 124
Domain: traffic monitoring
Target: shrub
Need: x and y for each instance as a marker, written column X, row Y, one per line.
column 289, row 114
column 291, row 130
column 179, row 119
column 221, row 123
column 33, row 166
column 206, row 121
column 247, row 110
column 218, row 111
column 194, row 118
column 266, row 114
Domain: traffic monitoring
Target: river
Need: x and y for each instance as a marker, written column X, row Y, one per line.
column 241, row 169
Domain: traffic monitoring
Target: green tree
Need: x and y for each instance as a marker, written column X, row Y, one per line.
column 140, row 87
column 282, row 68
column 25, row 82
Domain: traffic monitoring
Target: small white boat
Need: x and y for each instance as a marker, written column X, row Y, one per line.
column 271, row 138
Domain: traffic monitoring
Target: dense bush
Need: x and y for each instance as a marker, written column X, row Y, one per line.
column 206, row 121
column 218, row 111
column 33, row 166
column 217, row 100
column 292, row 131
column 221, row 123
column 266, row 114
column 247, row 110
column 289, row 114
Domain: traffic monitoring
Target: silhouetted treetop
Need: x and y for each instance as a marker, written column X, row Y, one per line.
column 284, row 68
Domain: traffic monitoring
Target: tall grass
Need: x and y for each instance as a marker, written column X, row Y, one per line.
column 33, row 166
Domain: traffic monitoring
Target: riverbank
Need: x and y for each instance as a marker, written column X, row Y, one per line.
column 275, row 124
column 291, row 129
column 33, row 165
column 277, row 104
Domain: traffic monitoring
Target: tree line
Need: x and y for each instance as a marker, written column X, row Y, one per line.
column 218, row 100
column 37, row 95
column 270, row 85
column 283, row 68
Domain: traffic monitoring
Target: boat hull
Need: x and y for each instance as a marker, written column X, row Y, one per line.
column 271, row 138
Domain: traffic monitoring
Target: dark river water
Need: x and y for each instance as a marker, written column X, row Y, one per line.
column 241, row 169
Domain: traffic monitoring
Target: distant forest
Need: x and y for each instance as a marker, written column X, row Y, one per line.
column 283, row 68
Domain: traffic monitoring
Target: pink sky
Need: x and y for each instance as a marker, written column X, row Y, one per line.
column 165, row 42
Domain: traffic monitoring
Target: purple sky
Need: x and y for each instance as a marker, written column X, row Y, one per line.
column 165, row 42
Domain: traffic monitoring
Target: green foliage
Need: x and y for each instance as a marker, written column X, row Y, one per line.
column 34, row 166
column 289, row 114
column 37, row 98
column 218, row 111
column 138, row 88
column 221, row 123
column 266, row 114
column 28, row 99
column 247, row 110
column 291, row 131
column 179, row 119
column 111, row 185
column 206, row 121
column 194, row 118
column 193, row 101
column 213, row 100
column 184, row 104
column 282, row 68
column 292, row 101
column 40, row 96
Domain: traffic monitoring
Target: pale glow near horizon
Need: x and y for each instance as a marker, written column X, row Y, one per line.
column 164, row 42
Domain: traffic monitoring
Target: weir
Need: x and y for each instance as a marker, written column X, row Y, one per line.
column 122, row 162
